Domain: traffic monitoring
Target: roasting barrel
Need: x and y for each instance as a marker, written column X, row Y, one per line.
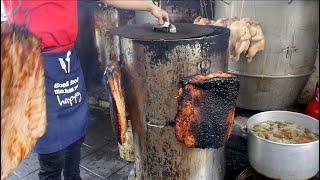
column 152, row 69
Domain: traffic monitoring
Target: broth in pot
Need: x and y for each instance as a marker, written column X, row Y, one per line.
column 283, row 132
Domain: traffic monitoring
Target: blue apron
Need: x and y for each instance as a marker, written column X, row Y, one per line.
column 66, row 102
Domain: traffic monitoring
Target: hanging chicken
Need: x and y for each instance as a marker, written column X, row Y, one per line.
column 239, row 40
column 202, row 21
column 220, row 22
column 257, row 41
column 205, row 21
column 246, row 35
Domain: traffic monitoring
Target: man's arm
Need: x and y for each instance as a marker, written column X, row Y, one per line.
column 141, row 5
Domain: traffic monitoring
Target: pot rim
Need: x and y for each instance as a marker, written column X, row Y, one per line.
column 277, row 143
column 273, row 76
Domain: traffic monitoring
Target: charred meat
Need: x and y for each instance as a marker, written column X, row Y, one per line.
column 206, row 107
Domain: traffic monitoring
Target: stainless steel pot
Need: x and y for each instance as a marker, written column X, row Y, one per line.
column 265, row 92
column 279, row 160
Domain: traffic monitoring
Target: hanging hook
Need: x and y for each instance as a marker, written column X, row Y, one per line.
column 242, row 5
column 157, row 3
column 204, row 66
column 14, row 11
column 211, row 9
column 201, row 8
column 226, row 2
column 25, row 12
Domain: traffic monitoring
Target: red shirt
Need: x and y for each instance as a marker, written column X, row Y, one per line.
column 55, row 22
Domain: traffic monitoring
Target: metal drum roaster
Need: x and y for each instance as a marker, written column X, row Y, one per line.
column 152, row 85
column 108, row 50
column 108, row 46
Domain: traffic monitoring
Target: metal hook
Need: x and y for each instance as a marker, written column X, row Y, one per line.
column 15, row 10
column 289, row 50
column 204, row 66
column 226, row 2
column 211, row 9
column 157, row 3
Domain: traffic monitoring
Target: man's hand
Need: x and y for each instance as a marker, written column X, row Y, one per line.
column 160, row 14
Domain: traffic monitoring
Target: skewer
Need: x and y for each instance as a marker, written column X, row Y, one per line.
column 242, row 3
column 211, row 9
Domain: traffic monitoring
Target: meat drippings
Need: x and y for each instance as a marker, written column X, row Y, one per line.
column 23, row 108
column 283, row 132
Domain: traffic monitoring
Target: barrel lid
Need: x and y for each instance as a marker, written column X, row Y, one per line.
column 146, row 32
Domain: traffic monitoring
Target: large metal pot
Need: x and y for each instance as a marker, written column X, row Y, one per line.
column 291, row 34
column 265, row 92
column 280, row 160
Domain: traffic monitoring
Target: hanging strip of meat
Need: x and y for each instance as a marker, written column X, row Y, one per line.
column 115, row 80
column 23, row 108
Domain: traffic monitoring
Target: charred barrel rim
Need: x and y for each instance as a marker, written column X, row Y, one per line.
column 218, row 31
column 200, row 83
column 281, row 144
column 272, row 76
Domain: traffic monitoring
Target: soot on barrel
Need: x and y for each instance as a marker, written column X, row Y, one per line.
column 206, row 107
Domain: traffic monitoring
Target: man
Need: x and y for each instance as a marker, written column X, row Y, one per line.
column 55, row 23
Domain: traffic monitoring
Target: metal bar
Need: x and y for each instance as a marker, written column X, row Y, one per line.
column 156, row 123
column 87, row 145
column 92, row 172
column 160, row 124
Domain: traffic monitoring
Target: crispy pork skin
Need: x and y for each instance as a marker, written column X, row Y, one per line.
column 23, row 113
column 206, row 109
